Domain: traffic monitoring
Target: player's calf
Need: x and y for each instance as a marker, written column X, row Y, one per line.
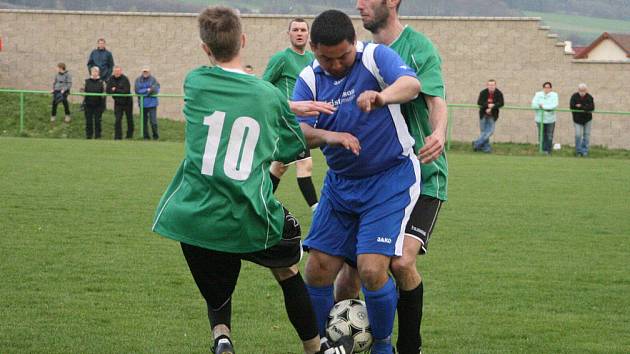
column 347, row 284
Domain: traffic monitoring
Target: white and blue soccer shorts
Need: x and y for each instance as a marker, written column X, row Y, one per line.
column 365, row 215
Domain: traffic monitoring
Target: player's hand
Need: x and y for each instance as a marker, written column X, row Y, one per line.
column 311, row 108
column 347, row 140
column 432, row 149
column 370, row 100
column 488, row 111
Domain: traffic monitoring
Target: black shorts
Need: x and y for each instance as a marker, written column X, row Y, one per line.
column 284, row 254
column 422, row 220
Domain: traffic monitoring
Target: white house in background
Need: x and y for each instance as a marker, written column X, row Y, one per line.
column 608, row 46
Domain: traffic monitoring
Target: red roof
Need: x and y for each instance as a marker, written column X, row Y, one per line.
column 621, row 39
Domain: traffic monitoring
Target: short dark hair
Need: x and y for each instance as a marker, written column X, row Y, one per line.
column 101, row 39
column 398, row 6
column 220, row 29
column 61, row 66
column 248, row 66
column 298, row 20
column 332, row 27
column 547, row 83
column 492, row 80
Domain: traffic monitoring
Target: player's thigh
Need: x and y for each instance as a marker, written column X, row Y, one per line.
column 304, row 167
column 422, row 222
column 215, row 273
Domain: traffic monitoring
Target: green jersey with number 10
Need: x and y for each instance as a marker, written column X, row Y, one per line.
column 221, row 197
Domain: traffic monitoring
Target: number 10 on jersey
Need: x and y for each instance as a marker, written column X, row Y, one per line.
column 240, row 147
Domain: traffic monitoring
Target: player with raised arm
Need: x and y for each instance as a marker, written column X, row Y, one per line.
column 373, row 180
column 282, row 71
column 426, row 118
column 220, row 205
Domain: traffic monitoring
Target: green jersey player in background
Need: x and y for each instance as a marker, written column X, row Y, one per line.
column 220, row 205
column 282, row 71
column 426, row 119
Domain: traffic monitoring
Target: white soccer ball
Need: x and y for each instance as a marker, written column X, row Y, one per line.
column 557, row 146
column 350, row 318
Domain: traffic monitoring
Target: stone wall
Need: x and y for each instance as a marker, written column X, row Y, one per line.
column 518, row 52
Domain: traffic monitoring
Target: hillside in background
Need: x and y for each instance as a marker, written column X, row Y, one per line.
column 577, row 20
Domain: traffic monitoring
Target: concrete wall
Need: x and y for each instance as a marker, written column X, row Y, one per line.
column 517, row 52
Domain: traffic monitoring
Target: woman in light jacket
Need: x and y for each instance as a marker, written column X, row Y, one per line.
column 545, row 103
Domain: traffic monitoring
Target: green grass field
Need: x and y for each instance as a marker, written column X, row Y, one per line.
column 530, row 255
column 587, row 28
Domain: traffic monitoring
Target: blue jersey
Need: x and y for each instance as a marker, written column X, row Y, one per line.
column 383, row 134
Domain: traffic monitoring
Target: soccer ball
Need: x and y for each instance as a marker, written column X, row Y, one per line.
column 350, row 318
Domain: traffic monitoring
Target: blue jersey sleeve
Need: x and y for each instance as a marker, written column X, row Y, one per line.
column 390, row 65
column 302, row 92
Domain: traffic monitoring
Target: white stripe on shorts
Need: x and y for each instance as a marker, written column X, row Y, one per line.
column 414, row 194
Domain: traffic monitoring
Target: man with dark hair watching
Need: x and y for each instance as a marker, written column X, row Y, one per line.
column 102, row 58
column 282, row 71
column 373, row 181
column 490, row 101
column 220, row 205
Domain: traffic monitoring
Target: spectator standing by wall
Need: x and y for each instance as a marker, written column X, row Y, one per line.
column 545, row 103
column 582, row 101
column 147, row 86
column 93, row 104
column 102, row 58
column 490, row 101
column 119, row 84
column 61, row 89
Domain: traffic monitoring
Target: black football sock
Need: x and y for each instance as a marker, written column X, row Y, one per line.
column 308, row 190
column 409, row 320
column 222, row 315
column 275, row 181
column 299, row 308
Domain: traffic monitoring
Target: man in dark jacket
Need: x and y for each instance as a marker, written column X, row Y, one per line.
column 490, row 101
column 102, row 58
column 119, row 84
column 582, row 101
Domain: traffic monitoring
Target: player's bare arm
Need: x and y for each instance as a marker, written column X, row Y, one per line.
column 311, row 108
column 402, row 90
column 318, row 137
column 434, row 143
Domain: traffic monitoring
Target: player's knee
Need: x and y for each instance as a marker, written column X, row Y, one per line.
column 317, row 273
column 373, row 276
column 403, row 266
